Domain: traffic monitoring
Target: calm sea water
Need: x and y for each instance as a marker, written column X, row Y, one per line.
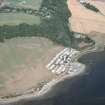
column 86, row 89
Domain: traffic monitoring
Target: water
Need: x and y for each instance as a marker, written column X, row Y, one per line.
column 86, row 89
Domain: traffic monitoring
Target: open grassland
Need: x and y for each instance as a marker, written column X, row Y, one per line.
column 23, row 61
column 18, row 18
column 34, row 4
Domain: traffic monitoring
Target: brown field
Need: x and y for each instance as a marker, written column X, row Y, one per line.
column 84, row 20
column 23, row 63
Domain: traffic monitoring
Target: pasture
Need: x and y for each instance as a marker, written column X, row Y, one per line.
column 34, row 4
column 18, row 18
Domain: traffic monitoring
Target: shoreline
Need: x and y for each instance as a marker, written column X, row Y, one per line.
column 48, row 86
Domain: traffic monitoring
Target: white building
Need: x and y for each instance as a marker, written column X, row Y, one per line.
column 83, row 1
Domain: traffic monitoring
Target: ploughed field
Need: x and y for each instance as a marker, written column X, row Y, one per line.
column 84, row 20
column 23, row 63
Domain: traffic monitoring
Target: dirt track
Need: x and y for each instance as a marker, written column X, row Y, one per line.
column 84, row 20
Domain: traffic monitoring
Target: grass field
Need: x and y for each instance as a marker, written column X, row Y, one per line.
column 24, row 57
column 35, row 4
column 20, row 51
column 18, row 18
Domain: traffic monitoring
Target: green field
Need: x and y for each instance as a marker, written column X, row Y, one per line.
column 35, row 4
column 18, row 18
column 21, row 53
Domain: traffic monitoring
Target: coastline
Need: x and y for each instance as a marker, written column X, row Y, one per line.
column 48, row 86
